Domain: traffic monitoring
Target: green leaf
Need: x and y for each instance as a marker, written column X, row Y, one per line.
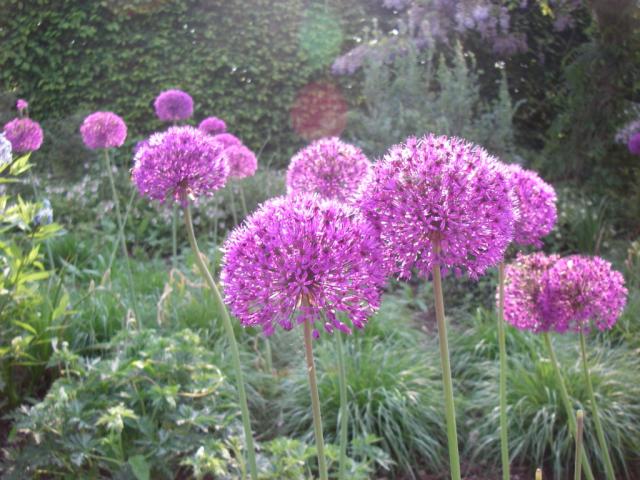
column 140, row 467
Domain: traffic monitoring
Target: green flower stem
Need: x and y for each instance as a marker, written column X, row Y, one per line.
column 504, row 434
column 344, row 410
column 594, row 412
column 577, row 470
column 233, row 344
column 538, row 474
column 315, row 401
column 452, row 435
column 567, row 402
column 46, row 242
column 268, row 359
column 174, row 237
column 121, row 231
column 120, row 237
column 243, row 201
column 232, row 203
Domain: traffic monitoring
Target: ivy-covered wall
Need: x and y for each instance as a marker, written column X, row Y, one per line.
column 242, row 61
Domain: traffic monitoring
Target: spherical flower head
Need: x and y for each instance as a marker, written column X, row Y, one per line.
column 440, row 200
column 536, row 203
column 22, row 105
column 578, row 291
column 213, row 126
column 5, row 151
column 179, row 164
column 24, row 134
column 522, row 291
column 103, row 130
column 328, row 167
column 300, row 259
column 173, row 106
column 634, row 144
column 242, row 162
column 227, row 140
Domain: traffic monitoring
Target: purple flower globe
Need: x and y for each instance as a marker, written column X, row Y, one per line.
column 440, row 200
column 522, row 291
column 213, row 125
column 103, row 130
column 578, row 291
column 242, row 162
column 634, row 144
column 179, row 164
column 22, row 105
column 328, row 167
column 227, row 140
column 536, row 203
column 173, row 106
column 24, row 134
column 303, row 259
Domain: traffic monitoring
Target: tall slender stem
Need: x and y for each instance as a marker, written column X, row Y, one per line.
column 268, row 359
column 46, row 242
column 315, row 401
column 174, row 237
column 564, row 395
column 121, row 231
column 243, row 201
column 594, row 411
column 452, row 434
column 121, row 239
column 504, row 434
column 234, row 212
column 577, row 470
column 538, row 474
column 344, row 410
column 233, row 344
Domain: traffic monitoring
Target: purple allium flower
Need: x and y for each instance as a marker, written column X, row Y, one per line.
column 103, row 130
column 227, row 140
column 634, row 144
column 173, row 106
column 303, row 259
column 328, row 167
column 579, row 290
column 522, row 291
column 440, row 192
column 24, row 134
column 242, row 162
column 536, row 201
column 22, row 105
column 6, row 155
column 179, row 164
column 213, row 125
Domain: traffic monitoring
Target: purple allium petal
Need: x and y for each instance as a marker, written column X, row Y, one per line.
column 536, row 205
column 634, row 144
column 213, row 125
column 22, row 105
column 440, row 190
column 227, row 140
column 178, row 164
column 103, row 130
column 303, row 259
column 328, row 167
column 173, row 106
column 24, row 134
column 242, row 161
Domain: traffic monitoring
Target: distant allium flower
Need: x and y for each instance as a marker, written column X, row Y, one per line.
column 5, row 151
column 24, row 134
column 579, row 290
column 173, row 106
column 103, row 130
column 178, row 164
column 328, row 167
column 227, row 140
column 44, row 216
column 213, row 125
column 634, row 144
column 522, row 291
column 440, row 191
column 536, row 202
column 628, row 131
column 242, row 161
column 303, row 259
column 22, row 105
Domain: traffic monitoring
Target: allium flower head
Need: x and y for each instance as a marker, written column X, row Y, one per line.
column 440, row 200
column 227, row 140
column 103, row 130
column 213, row 125
column 303, row 259
column 173, row 106
column 634, row 144
column 22, row 105
column 24, row 134
column 5, row 151
column 536, row 203
column 178, row 164
column 242, row 162
column 579, row 290
column 522, row 291
column 328, row 167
